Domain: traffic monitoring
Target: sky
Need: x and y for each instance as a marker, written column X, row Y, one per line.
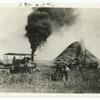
column 12, row 31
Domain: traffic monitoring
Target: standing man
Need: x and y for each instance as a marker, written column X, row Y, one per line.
column 65, row 71
column 14, row 60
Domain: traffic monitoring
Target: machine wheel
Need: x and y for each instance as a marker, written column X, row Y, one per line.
column 3, row 76
column 59, row 75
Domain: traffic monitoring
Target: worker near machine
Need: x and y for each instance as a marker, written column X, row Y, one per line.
column 65, row 71
column 15, row 62
column 14, row 59
column 62, row 69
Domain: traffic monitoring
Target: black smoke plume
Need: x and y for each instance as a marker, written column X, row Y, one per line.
column 42, row 21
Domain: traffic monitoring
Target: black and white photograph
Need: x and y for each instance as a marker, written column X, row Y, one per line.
column 49, row 50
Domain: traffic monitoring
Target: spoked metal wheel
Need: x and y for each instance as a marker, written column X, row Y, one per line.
column 3, row 76
column 59, row 76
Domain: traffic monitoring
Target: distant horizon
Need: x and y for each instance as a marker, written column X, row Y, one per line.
column 44, row 60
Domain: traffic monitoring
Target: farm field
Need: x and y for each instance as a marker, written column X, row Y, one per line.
column 39, row 82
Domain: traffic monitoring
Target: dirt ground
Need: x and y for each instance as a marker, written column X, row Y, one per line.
column 39, row 82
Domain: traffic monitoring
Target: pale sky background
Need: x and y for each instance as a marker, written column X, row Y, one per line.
column 12, row 30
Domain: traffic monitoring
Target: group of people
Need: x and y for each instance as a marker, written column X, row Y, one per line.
column 19, row 65
column 62, row 70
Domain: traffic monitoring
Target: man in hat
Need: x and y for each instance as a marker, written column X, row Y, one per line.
column 66, row 71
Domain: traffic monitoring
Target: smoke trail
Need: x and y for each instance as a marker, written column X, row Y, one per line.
column 60, row 16
column 42, row 21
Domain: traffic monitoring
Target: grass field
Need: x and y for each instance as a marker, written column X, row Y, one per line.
column 39, row 82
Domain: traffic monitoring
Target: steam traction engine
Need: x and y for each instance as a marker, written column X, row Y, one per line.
column 18, row 63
